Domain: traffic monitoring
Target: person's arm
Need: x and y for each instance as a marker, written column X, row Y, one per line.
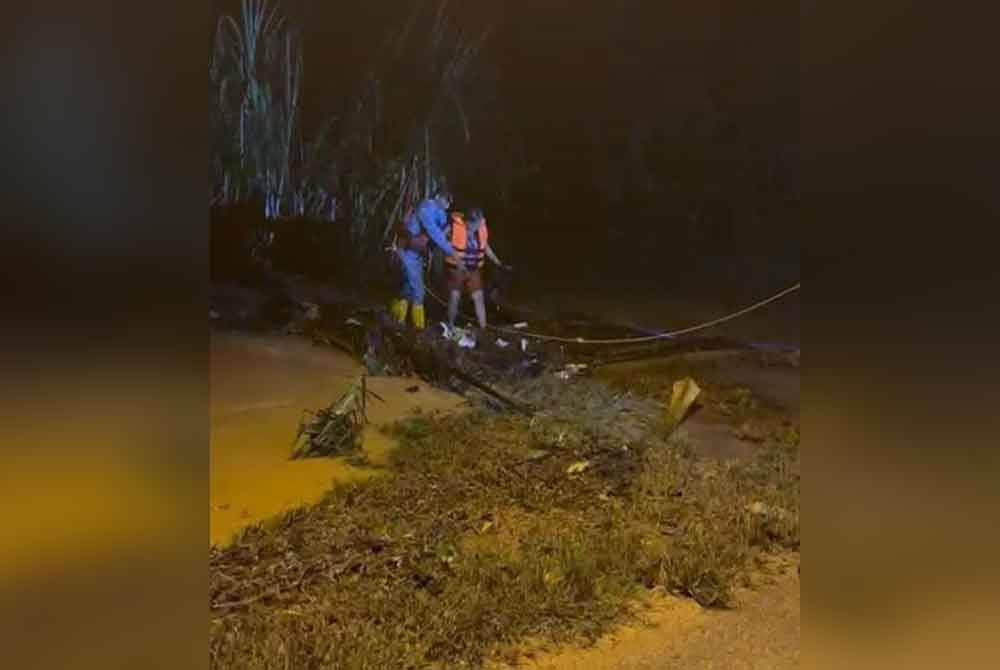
column 435, row 232
column 492, row 256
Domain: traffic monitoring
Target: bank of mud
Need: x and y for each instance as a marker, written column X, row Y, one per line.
column 545, row 510
column 490, row 528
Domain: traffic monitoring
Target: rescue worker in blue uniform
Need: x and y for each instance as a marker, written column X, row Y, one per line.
column 426, row 223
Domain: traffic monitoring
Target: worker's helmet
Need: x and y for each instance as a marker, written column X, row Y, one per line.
column 443, row 197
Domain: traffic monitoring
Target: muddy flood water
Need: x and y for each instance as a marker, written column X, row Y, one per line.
column 260, row 385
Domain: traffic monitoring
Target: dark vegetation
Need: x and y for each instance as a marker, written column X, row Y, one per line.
column 320, row 199
column 616, row 128
column 336, row 430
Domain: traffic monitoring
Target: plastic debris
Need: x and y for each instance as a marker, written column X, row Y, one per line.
column 310, row 310
column 459, row 335
column 571, row 370
column 502, row 343
column 524, row 345
column 685, row 392
column 353, row 322
column 577, row 467
column 520, row 324
column 771, row 513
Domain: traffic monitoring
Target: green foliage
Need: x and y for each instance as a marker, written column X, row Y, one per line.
column 256, row 74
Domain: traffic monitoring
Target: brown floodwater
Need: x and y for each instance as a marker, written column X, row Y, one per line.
column 260, row 385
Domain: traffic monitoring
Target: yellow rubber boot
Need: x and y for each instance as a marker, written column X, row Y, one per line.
column 398, row 310
column 417, row 313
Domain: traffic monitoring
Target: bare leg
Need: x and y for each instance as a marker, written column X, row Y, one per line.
column 480, row 302
column 453, row 299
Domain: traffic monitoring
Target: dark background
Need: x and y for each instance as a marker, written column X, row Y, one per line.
column 650, row 141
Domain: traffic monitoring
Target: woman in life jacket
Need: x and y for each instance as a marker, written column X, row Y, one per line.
column 469, row 237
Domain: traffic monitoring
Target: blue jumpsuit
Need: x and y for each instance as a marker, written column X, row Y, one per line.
column 430, row 218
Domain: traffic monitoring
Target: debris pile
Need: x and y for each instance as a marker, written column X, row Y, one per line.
column 335, row 430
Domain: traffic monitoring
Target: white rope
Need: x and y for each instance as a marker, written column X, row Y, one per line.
column 631, row 340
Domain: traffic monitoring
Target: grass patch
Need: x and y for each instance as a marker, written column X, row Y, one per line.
column 484, row 535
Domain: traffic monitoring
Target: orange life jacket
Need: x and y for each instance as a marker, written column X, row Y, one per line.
column 458, row 236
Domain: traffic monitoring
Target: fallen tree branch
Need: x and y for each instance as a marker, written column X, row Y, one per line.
column 492, row 392
column 430, row 361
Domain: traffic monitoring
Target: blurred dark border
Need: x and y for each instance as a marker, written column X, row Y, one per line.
column 104, row 250
column 898, row 130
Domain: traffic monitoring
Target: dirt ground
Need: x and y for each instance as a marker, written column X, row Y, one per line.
column 761, row 633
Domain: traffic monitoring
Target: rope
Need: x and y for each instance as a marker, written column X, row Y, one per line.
column 632, row 340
